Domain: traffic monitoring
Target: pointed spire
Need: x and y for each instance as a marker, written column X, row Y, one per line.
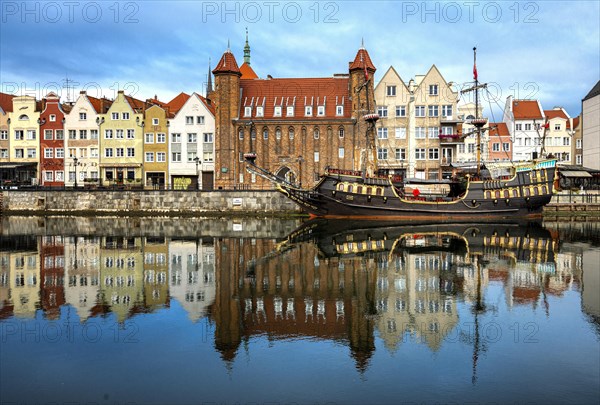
column 209, row 87
column 228, row 47
column 362, row 43
column 247, row 50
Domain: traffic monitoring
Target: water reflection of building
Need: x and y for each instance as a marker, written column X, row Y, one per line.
column 192, row 275
column 297, row 293
column 52, row 275
column 82, row 275
column 415, row 294
column 19, row 259
column 121, row 275
column 156, row 268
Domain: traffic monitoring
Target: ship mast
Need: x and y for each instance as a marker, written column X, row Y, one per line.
column 478, row 122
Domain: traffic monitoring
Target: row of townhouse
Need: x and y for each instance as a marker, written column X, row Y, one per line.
column 105, row 142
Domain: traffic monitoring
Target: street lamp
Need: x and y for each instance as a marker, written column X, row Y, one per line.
column 197, row 160
column 75, row 164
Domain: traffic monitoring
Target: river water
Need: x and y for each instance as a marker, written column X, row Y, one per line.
column 191, row 310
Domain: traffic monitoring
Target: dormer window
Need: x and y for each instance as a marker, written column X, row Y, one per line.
column 277, row 112
column 290, row 111
column 260, row 111
column 52, row 118
column 339, row 110
column 247, row 111
column 321, row 110
column 308, row 111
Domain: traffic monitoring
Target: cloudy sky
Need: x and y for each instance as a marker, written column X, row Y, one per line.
column 529, row 49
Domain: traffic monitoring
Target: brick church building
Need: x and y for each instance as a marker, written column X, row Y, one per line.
column 296, row 126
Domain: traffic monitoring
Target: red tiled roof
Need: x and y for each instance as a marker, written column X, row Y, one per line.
column 247, row 72
column 526, row 109
column 100, row 105
column 575, row 122
column 362, row 58
column 137, row 105
column 498, row 129
column 178, row 102
column 6, row 102
column 299, row 93
column 227, row 64
column 210, row 106
column 550, row 114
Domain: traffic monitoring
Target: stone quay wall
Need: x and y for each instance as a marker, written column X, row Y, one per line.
column 147, row 202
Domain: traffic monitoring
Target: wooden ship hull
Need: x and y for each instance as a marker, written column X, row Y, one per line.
column 347, row 194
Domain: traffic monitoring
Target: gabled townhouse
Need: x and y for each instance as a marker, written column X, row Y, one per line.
column 524, row 119
column 122, row 142
column 6, row 105
column 82, row 141
column 191, row 142
column 52, row 142
column 24, row 143
column 156, row 147
column 499, row 143
column 558, row 134
column 418, row 124
column 577, row 144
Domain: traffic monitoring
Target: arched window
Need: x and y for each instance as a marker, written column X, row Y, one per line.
column 303, row 131
column 241, row 133
column 359, row 190
column 253, row 133
column 515, row 192
column 316, row 133
column 277, row 133
column 341, row 132
column 497, row 193
column 291, row 132
column 329, row 132
column 488, row 194
column 350, row 188
column 265, row 133
column 506, row 194
column 340, row 187
column 23, row 117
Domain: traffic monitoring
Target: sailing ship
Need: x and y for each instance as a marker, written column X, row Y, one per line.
column 522, row 191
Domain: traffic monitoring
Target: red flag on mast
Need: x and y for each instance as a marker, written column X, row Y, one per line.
column 474, row 71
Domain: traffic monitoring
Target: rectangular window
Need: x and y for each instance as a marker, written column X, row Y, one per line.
column 566, row 141
column 192, row 138
column 557, row 127
column 578, row 144
column 471, row 148
column 382, row 133
column 130, row 134
column 176, row 138
column 339, row 110
column 82, row 134
column 149, row 137
column 200, row 119
column 308, row 111
column 260, row 111
column 161, row 138
column 176, row 157
column 161, row 157
column 60, row 153
column 93, row 134
column 31, row 153
column 400, row 133
column 83, row 152
column 321, row 110
column 114, row 116
column 518, row 127
column 149, row 156
column 247, row 111
column 419, row 111
column 496, row 147
column 48, row 134
column 277, row 112
column 52, row 118
column 189, row 120
column 433, row 89
column 316, row 156
column 125, row 115
column 82, row 116
column 400, row 154
column 119, row 134
column 434, row 154
column 4, row 153
column 108, row 152
column 290, row 111
column 48, row 153
column 382, row 111
column 60, row 175
column 49, row 176
column 31, row 136
column 578, row 159
column 420, row 153
column 382, row 153
column 191, row 156
column 527, row 127
column 94, row 152
column 130, row 152
column 400, row 111
column 433, row 110
column 208, row 137
column 155, row 121
column 447, row 131
column 506, row 147
column 419, row 132
column 391, row 91
column 73, row 133
column 447, row 110
column 434, row 132
column 341, row 152
column 19, row 135
column 120, row 152
column 19, row 153
column 3, row 135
